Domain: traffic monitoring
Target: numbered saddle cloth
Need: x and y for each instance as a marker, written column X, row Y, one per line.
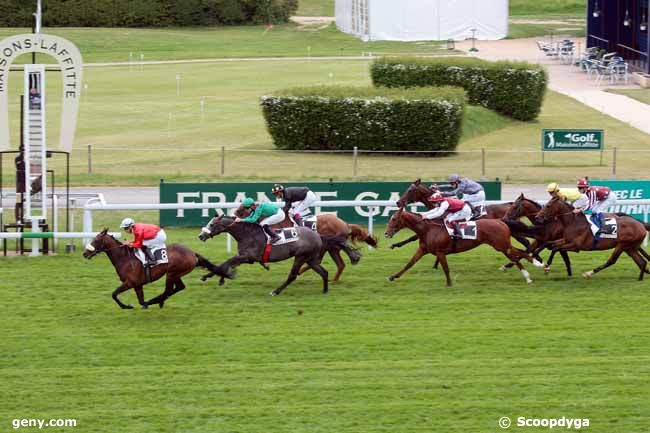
column 609, row 230
column 159, row 254
column 467, row 230
column 287, row 236
column 309, row 222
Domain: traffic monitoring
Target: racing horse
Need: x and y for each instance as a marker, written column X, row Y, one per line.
column 181, row 261
column 330, row 225
column 251, row 245
column 542, row 235
column 418, row 192
column 434, row 239
column 577, row 235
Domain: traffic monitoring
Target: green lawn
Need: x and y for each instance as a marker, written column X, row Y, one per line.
column 371, row 356
column 641, row 95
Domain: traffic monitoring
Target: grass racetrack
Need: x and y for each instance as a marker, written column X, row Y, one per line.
column 371, row 356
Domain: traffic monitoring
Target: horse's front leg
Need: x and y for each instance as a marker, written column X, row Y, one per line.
column 230, row 263
column 417, row 256
column 123, row 288
column 404, row 242
column 140, row 294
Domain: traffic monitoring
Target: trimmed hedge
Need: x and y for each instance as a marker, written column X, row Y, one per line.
column 515, row 89
column 340, row 118
column 147, row 13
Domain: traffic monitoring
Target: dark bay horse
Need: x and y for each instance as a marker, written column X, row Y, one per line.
column 182, row 261
column 418, row 192
column 542, row 235
column 331, row 225
column 251, row 242
column 577, row 235
column 434, row 239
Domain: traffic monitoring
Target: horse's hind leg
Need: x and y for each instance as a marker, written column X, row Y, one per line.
column 306, row 267
column 338, row 260
column 515, row 255
column 293, row 274
column 123, row 288
column 316, row 266
column 640, row 262
column 442, row 259
column 612, row 259
column 567, row 261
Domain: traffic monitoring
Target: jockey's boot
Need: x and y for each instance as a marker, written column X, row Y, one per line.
column 298, row 219
column 457, row 234
column 476, row 212
column 272, row 235
column 148, row 256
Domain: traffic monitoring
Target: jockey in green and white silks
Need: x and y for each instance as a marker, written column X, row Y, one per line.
column 270, row 213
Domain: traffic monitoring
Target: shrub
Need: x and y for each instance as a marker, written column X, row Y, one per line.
column 366, row 117
column 515, row 89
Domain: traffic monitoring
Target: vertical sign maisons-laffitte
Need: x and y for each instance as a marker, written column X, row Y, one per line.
column 573, row 139
column 233, row 192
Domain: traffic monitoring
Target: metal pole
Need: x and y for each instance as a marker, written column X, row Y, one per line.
column 542, row 157
column 223, row 163
column 483, row 161
column 370, row 222
column 355, row 155
column 67, row 191
column 614, row 163
column 90, row 160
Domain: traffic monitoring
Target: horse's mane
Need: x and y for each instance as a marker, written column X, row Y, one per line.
column 534, row 203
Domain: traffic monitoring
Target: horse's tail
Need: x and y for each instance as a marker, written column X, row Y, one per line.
column 341, row 243
column 214, row 269
column 358, row 233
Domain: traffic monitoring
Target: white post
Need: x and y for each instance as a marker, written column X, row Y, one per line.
column 55, row 218
column 35, row 242
column 88, row 224
column 371, row 220
column 645, row 220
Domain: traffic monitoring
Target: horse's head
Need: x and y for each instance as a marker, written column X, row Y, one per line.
column 102, row 243
column 551, row 209
column 416, row 192
column 216, row 225
column 395, row 224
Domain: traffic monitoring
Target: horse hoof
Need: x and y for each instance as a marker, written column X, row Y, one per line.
column 588, row 274
column 547, row 270
column 529, row 281
column 162, row 304
column 503, row 268
column 537, row 263
column 222, row 282
column 144, row 306
column 273, row 293
column 128, row 307
column 392, row 246
column 391, row 278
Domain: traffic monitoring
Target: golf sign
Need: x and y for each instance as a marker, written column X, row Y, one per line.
column 573, row 139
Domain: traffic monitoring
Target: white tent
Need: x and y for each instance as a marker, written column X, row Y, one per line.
column 417, row 20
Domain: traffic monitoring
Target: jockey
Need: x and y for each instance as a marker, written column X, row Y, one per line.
column 270, row 212
column 145, row 237
column 594, row 198
column 472, row 192
column 566, row 194
column 297, row 200
column 457, row 210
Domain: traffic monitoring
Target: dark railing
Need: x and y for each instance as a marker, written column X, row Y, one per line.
column 637, row 60
column 596, row 41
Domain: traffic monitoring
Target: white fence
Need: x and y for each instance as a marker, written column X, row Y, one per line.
column 371, row 204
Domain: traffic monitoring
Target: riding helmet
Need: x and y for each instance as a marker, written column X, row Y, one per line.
column 248, row 202
column 127, row 223
column 454, row 178
column 553, row 187
column 277, row 188
column 583, row 183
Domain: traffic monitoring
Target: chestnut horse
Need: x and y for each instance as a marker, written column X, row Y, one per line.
column 434, row 239
column 182, row 261
column 418, row 192
column 331, row 225
column 542, row 235
column 577, row 235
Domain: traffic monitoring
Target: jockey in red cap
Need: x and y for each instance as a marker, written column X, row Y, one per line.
column 455, row 209
column 594, row 198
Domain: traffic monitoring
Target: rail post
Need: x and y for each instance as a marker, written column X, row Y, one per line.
column 355, row 156
column 90, row 160
column 87, row 224
column 223, row 160
column 614, row 163
column 483, row 161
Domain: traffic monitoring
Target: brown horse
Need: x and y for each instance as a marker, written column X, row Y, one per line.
column 181, row 259
column 577, row 235
column 418, row 192
column 331, row 225
column 542, row 235
column 434, row 239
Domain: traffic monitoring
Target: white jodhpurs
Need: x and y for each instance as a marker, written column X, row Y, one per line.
column 273, row 219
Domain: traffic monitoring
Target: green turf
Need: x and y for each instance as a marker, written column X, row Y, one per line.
column 641, row 95
column 371, row 356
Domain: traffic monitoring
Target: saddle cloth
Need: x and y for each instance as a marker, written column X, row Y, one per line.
column 609, row 229
column 310, row 222
column 467, row 230
column 159, row 254
column 287, row 236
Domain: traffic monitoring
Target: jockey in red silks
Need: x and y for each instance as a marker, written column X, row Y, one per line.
column 594, row 198
column 455, row 209
column 145, row 237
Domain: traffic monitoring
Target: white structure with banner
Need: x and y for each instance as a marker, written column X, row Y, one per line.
column 418, row 20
